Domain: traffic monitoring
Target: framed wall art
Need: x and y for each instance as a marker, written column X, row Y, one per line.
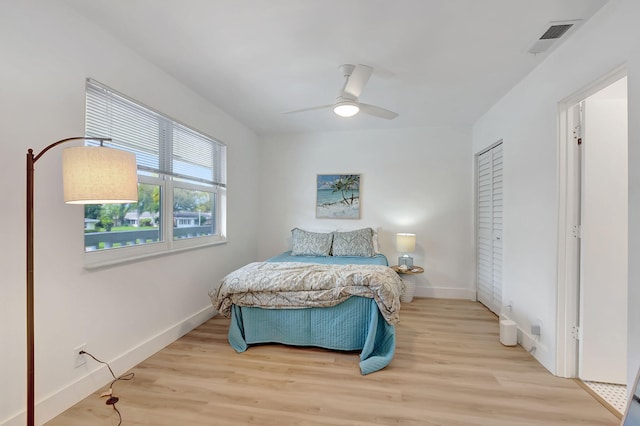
column 338, row 197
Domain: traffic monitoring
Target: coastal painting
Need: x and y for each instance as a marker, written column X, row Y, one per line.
column 338, row 197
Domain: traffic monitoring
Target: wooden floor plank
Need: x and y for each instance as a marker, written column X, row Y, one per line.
column 449, row 370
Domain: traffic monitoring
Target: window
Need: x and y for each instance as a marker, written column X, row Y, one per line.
column 181, row 182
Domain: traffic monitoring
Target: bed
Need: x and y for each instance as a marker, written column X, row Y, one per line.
column 332, row 290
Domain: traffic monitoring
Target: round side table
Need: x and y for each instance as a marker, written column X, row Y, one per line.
column 409, row 281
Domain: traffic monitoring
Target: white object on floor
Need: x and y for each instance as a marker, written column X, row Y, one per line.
column 508, row 332
column 409, row 289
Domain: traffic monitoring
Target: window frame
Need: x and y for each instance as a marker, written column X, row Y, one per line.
column 167, row 183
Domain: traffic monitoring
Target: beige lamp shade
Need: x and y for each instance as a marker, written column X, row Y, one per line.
column 405, row 243
column 99, row 175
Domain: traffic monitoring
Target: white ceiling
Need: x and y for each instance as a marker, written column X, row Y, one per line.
column 437, row 62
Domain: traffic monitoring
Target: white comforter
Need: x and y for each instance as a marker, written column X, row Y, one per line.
column 289, row 285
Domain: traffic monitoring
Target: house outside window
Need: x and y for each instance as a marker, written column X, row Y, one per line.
column 181, row 183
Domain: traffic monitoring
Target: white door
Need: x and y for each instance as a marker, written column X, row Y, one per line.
column 603, row 247
column 489, row 228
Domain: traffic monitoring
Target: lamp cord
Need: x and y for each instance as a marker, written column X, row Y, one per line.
column 112, row 398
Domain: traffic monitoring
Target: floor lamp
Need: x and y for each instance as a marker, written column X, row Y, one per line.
column 91, row 175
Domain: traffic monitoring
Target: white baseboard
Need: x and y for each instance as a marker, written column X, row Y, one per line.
column 445, row 293
column 535, row 347
column 532, row 345
column 52, row 405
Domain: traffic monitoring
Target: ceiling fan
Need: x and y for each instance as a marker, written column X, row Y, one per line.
column 347, row 104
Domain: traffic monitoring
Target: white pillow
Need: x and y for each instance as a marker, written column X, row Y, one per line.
column 374, row 237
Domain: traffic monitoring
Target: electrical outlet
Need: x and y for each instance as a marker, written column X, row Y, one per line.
column 79, row 359
column 536, row 327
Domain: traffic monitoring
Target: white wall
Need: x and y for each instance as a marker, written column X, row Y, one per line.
column 413, row 180
column 526, row 119
column 123, row 313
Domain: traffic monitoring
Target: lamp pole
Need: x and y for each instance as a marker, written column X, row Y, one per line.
column 31, row 160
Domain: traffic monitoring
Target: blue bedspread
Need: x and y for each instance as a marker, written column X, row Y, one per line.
column 355, row 324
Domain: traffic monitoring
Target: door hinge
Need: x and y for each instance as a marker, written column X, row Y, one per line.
column 576, row 232
column 576, row 332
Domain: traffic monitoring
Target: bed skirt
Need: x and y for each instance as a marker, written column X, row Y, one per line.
column 355, row 324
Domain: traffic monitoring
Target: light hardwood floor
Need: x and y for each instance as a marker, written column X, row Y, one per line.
column 449, row 369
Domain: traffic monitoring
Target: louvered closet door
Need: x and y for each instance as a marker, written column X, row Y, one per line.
column 489, row 228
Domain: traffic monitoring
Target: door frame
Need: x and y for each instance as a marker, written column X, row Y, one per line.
column 569, row 181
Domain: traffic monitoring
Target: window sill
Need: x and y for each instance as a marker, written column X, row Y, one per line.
column 97, row 260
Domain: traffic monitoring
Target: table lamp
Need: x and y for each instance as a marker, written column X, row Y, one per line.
column 405, row 243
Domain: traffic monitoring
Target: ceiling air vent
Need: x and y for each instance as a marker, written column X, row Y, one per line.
column 556, row 31
column 552, row 32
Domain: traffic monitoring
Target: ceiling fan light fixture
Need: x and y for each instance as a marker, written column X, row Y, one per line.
column 346, row 109
column 346, row 103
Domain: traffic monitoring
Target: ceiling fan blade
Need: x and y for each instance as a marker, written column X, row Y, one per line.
column 357, row 80
column 308, row 109
column 377, row 111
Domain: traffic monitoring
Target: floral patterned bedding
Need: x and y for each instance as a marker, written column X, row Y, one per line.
column 290, row 285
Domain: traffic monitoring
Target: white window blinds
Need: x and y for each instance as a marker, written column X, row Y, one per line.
column 161, row 144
